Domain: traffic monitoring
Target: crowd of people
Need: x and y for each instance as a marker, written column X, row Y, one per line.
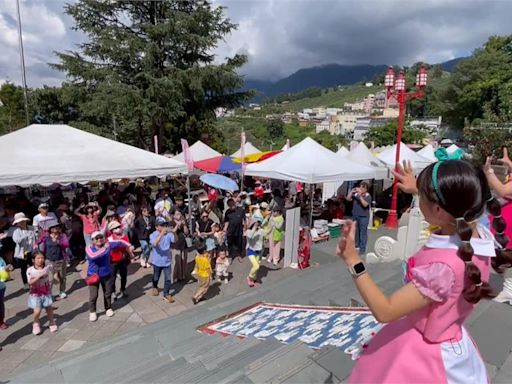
column 119, row 224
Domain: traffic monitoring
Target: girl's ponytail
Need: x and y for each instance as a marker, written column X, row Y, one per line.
column 503, row 257
column 475, row 289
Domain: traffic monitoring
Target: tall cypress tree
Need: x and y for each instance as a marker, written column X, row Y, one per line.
column 147, row 68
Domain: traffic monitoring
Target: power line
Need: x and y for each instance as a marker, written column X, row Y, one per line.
column 22, row 60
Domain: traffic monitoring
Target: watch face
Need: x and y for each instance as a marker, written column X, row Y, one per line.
column 359, row 268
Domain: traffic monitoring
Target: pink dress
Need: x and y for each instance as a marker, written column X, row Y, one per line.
column 431, row 345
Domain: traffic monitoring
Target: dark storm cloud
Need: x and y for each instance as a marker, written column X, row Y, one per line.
column 281, row 36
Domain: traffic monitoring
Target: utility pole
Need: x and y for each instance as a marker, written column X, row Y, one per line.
column 22, row 60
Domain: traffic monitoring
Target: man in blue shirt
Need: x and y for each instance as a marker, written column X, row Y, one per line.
column 161, row 241
column 361, row 214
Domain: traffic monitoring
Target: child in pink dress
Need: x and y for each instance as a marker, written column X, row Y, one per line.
column 424, row 340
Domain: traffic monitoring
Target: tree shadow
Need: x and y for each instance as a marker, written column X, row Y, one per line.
column 15, row 294
column 213, row 291
column 27, row 329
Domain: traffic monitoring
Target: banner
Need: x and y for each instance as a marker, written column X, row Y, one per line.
column 242, row 149
column 187, row 155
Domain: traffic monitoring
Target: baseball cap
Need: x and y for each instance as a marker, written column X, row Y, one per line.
column 113, row 225
column 43, row 206
column 160, row 221
column 96, row 234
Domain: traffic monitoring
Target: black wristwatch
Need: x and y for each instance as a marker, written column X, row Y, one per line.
column 357, row 270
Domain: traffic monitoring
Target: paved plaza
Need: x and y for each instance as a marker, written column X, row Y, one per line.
column 21, row 349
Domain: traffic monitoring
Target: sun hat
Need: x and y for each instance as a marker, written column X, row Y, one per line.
column 264, row 205
column 160, row 221
column 95, row 234
column 113, row 225
column 19, row 217
column 52, row 223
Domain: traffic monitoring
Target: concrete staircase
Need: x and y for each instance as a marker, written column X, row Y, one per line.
column 173, row 351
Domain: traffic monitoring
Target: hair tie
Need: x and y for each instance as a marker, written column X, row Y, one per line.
column 466, row 241
column 457, row 219
column 468, row 262
column 479, row 284
column 499, row 233
column 497, row 217
column 490, row 199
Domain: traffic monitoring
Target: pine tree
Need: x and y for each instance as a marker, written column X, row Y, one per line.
column 148, row 68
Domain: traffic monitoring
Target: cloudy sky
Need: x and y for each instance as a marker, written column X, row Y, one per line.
column 281, row 36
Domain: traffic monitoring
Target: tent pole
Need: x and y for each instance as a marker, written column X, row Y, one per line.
column 189, row 203
column 311, row 190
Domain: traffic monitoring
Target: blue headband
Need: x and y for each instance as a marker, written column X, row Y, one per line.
column 442, row 155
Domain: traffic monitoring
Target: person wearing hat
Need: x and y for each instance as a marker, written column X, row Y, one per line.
column 120, row 256
column 98, row 262
column 161, row 240
column 55, row 247
column 255, row 238
column 24, row 236
column 40, row 221
column 89, row 214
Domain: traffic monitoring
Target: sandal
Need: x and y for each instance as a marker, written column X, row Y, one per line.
column 53, row 327
column 36, row 329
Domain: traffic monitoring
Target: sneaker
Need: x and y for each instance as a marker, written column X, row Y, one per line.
column 93, row 316
column 169, row 299
column 118, row 295
column 226, row 280
column 63, row 295
column 143, row 263
column 122, row 295
column 3, row 326
column 109, row 312
column 36, row 329
column 53, row 327
column 250, row 282
column 154, row 292
column 194, row 301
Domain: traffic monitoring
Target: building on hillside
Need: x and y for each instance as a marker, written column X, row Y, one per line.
column 304, row 123
column 391, row 113
column 356, row 106
column 364, row 124
column 333, row 111
column 287, row 117
column 347, row 120
column 319, row 113
column 433, row 124
column 307, row 111
column 324, row 125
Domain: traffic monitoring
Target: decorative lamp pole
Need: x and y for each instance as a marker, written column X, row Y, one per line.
column 396, row 89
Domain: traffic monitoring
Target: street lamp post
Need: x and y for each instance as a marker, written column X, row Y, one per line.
column 396, row 89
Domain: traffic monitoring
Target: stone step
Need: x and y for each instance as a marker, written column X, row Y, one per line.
column 282, row 359
column 232, row 367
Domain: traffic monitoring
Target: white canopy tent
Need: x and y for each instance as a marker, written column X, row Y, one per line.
column 48, row 154
column 249, row 149
column 428, row 152
column 451, row 149
column 199, row 151
column 362, row 155
column 418, row 162
column 343, row 152
column 309, row 162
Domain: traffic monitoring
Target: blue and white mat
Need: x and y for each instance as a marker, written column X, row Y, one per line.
column 346, row 328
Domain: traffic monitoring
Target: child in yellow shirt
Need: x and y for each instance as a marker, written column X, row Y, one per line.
column 202, row 272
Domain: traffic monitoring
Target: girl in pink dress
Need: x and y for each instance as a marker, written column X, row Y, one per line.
column 425, row 340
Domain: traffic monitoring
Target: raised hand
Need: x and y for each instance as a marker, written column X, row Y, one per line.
column 505, row 160
column 346, row 248
column 406, row 178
